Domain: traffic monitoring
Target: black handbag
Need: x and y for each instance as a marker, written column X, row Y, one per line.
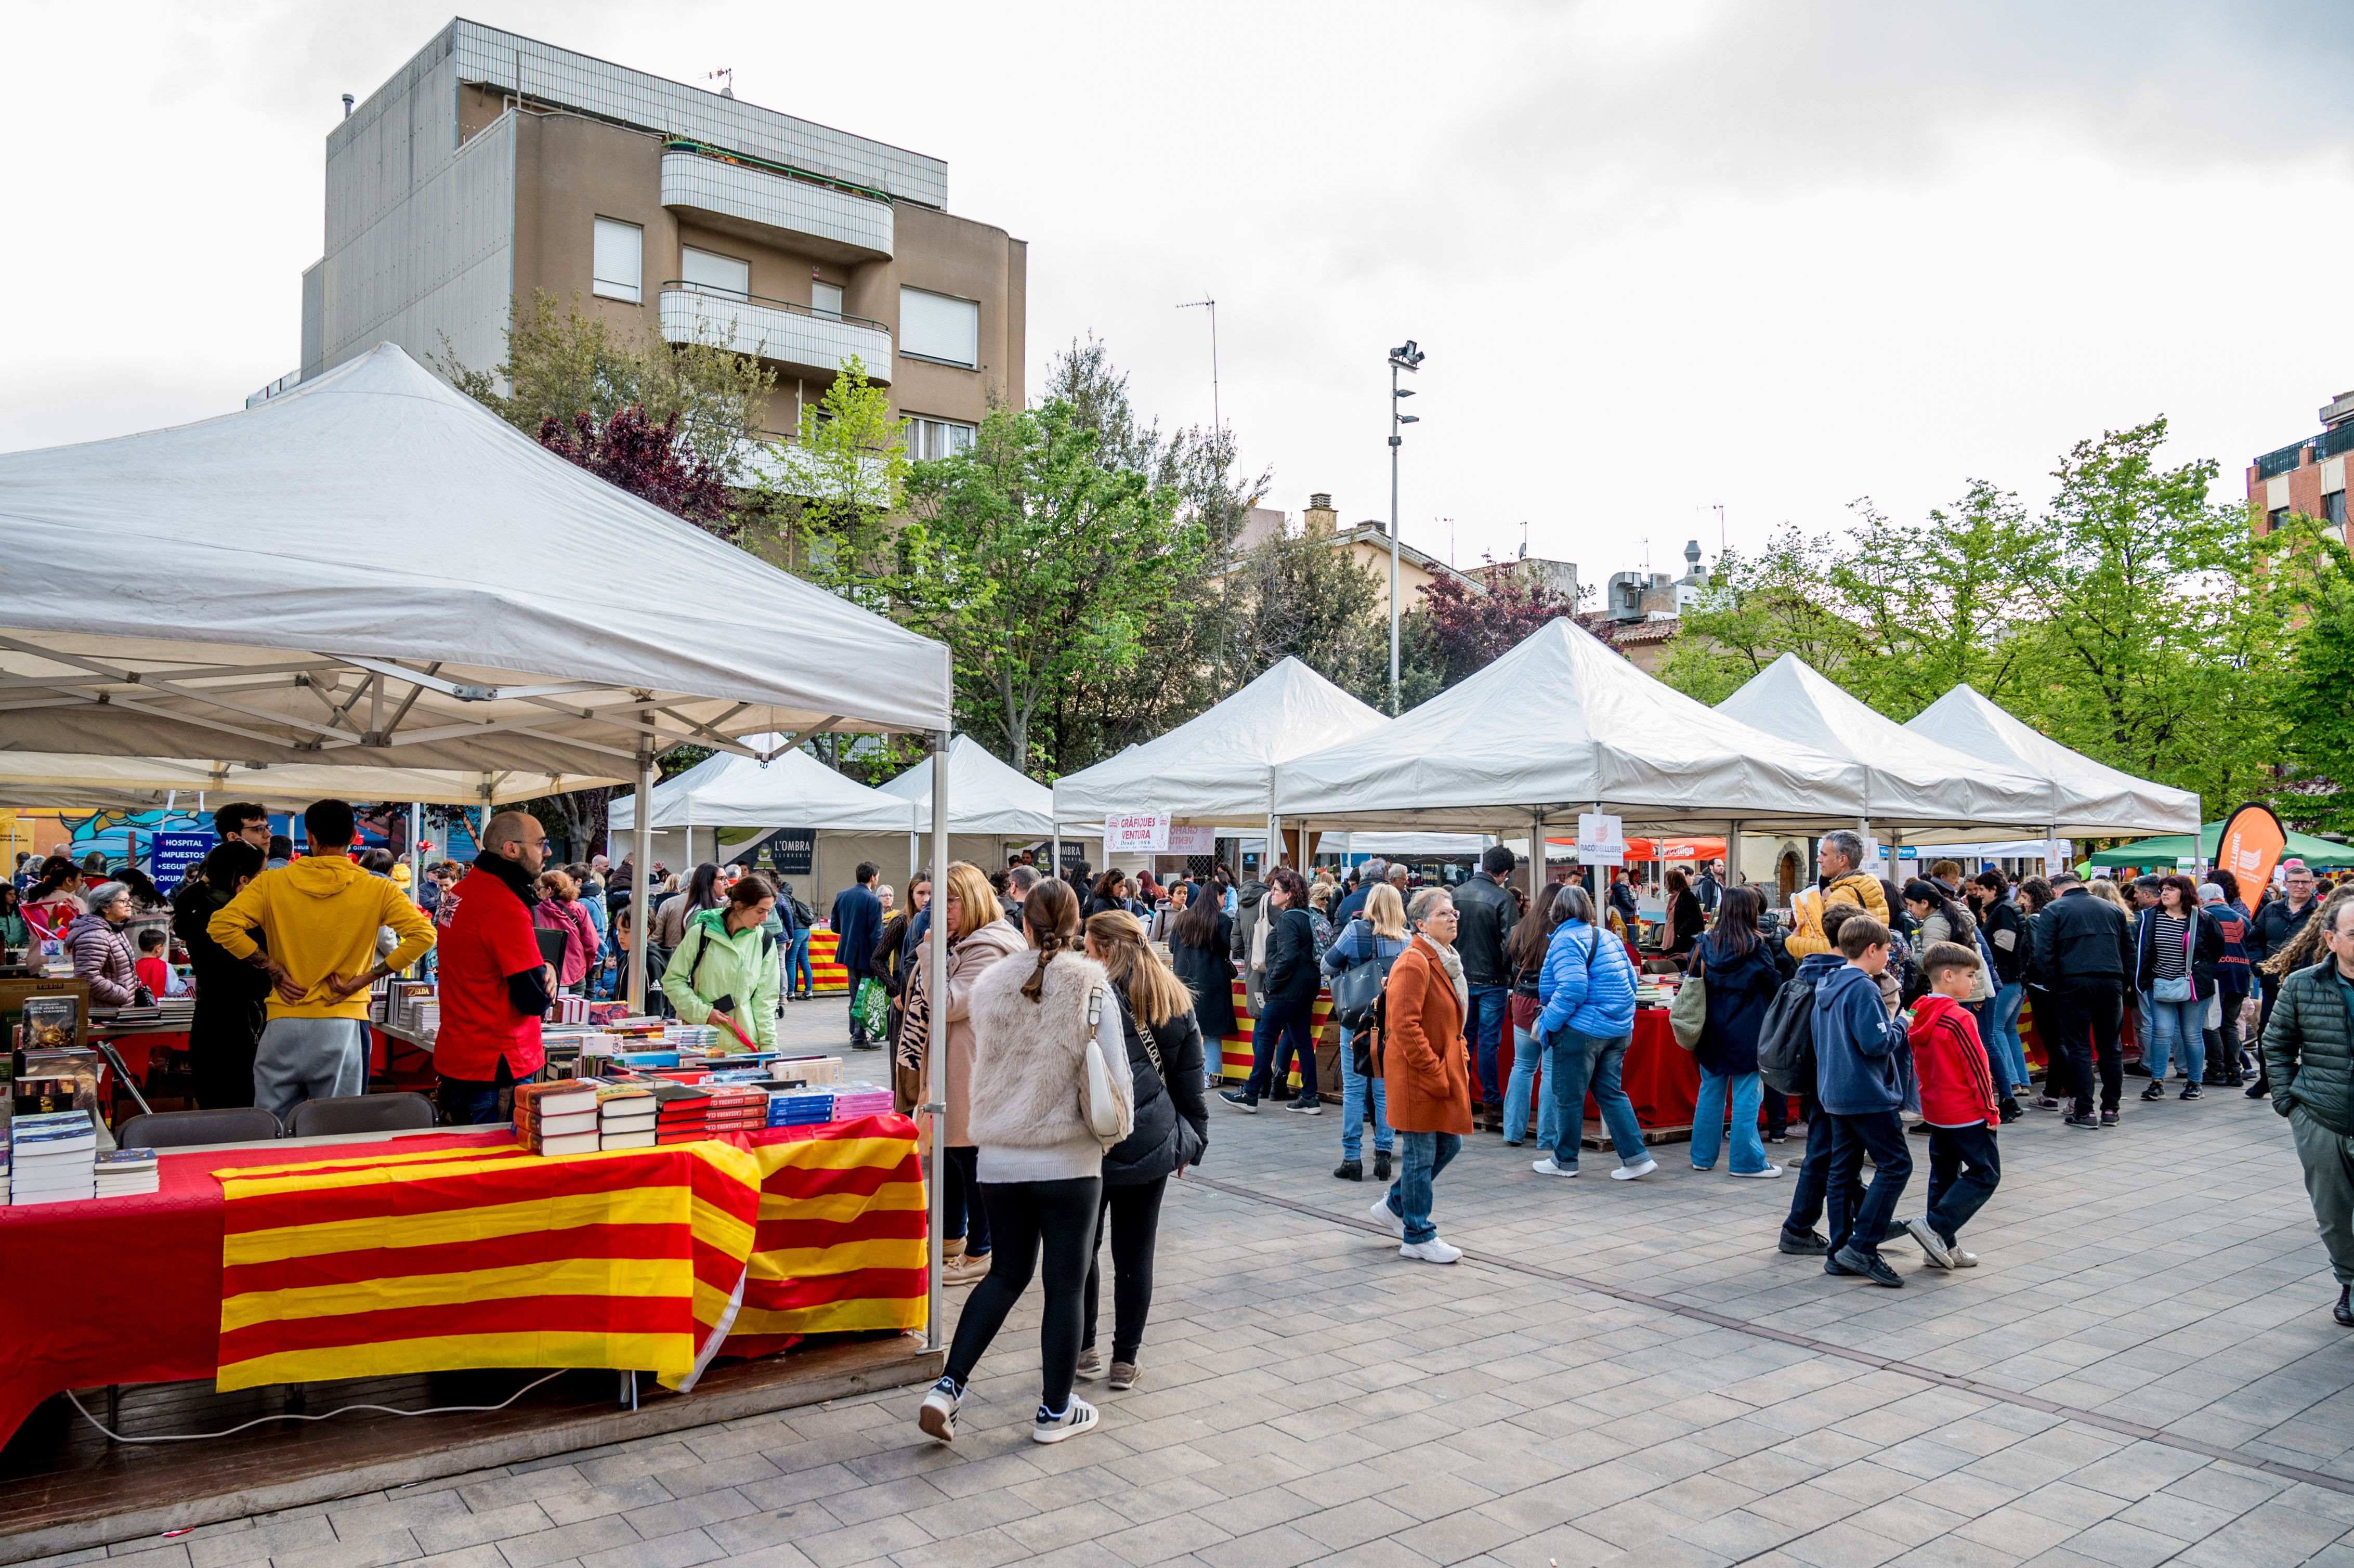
column 1357, row 990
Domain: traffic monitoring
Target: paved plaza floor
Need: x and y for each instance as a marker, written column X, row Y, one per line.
column 2144, row 1371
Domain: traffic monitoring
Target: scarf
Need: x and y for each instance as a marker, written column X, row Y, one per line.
column 1452, row 962
column 914, row 1017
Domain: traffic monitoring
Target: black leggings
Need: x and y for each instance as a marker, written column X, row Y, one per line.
column 1135, row 1216
column 964, row 1217
column 1022, row 1216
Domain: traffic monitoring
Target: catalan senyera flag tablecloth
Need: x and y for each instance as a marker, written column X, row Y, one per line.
column 840, row 1243
column 385, row 1263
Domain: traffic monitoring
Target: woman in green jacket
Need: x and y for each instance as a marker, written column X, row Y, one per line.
column 724, row 971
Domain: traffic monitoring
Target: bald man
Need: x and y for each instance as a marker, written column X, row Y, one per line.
column 495, row 988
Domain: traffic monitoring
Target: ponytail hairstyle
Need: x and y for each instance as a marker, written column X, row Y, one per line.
column 1051, row 915
column 1959, row 922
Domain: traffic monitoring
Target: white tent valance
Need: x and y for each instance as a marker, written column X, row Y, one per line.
column 2089, row 799
column 38, row 778
column 367, row 569
column 1911, row 783
column 1217, row 769
column 1555, row 726
column 985, row 796
column 792, row 790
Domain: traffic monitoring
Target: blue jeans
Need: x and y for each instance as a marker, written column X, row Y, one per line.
column 1354, row 1086
column 1485, row 1029
column 1526, row 1054
column 1279, row 1032
column 2173, row 1023
column 1745, row 1090
column 798, row 977
column 1576, row 1063
column 1427, row 1154
column 2004, row 1045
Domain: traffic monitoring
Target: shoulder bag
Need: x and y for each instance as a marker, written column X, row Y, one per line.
column 2181, row 986
column 1357, row 990
column 1689, row 1016
column 1109, row 1113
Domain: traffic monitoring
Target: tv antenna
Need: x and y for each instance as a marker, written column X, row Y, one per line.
column 1217, row 422
column 725, row 76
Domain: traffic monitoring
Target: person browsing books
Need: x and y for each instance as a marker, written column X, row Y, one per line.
column 320, row 915
column 495, row 987
column 724, row 970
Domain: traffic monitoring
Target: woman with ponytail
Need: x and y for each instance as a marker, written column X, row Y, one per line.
column 1040, row 1167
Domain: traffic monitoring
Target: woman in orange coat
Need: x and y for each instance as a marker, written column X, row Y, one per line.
column 1427, row 1071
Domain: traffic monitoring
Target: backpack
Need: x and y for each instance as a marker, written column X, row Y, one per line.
column 1320, row 928
column 1786, row 1042
column 803, row 915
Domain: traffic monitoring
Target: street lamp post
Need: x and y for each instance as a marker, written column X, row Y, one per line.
column 1408, row 358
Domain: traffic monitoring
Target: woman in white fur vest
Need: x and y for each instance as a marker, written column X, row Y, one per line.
column 1040, row 1167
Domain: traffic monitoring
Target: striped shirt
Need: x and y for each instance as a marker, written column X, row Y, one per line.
column 2169, row 950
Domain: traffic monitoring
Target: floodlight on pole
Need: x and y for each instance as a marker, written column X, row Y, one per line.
column 1406, row 357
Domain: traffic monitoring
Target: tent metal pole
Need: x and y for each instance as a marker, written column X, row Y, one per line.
column 1733, row 877
column 936, row 1049
column 1536, row 858
column 1055, row 851
column 641, row 879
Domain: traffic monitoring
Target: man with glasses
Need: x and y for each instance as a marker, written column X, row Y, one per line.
column 2279, row 920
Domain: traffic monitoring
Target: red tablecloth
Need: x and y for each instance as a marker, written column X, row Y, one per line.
column 129, row 1289
column 1660, row 1077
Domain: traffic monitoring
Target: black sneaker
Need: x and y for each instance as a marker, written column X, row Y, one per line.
column 2156, row 1091
column 2072, row 1120
column 2108, row 1119
column 1381, row 1164
column 1241, row 1100
column 1832, row 1266
column 1350, row 1171
column 2190, row 1092
column 1919, row 1129
column 2344, row 1311
column 1803, row 1244
column 2258, row 1089
column 2008, row 1109
column 1306, row 1107
column 1869, row 1264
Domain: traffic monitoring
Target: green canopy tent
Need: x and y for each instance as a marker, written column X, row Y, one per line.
column 2168, row 848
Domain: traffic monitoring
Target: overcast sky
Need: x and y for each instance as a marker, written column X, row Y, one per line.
column 1663, row 257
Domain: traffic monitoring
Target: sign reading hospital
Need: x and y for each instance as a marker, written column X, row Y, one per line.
column 1136, row 833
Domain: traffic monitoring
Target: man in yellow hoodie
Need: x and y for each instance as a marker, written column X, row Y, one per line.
column 320, row 916
column 1840, row 856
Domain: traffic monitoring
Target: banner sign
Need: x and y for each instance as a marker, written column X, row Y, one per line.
column 1601, row 839
column 2055, row 856
column 1192, row 841
column 2250, row 846
column 1136, row 833
column 793, row 852
column 174, row 855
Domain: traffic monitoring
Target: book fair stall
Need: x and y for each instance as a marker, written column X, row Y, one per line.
column 731, row 1206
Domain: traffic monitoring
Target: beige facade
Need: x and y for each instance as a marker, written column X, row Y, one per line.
column 492, row 167
column 1369, row 543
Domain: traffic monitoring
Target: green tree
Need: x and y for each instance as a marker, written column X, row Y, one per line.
column 831, row 496
column 2312, row 576
column 1753, row 611
column 560, row 363
column 1040, row 565
column 1302, row 596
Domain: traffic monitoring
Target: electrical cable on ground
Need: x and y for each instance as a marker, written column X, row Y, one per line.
column 325, row 1415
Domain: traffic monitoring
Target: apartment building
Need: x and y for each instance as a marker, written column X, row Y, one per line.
column 492, row 165
column 2306, row 477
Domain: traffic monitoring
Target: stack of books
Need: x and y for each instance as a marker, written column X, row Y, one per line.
column 603, row 1013
column 800, row 1107
column 681, row 1114
column 571, row 1010
column 861, row 1099
column 701, row 1037
column 807, row 1069
column 736, row 1107
column 128, row 1172
column 169, row 1015
column 625, row 1116
column 50, row 1158
column 559, row 1117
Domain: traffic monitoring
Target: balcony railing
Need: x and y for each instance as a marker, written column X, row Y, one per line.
column 698, row 179
column 2334, row 443
column 776, row 330
column 2273, row 464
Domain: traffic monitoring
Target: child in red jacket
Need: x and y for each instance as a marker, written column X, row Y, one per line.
column 1957, row 1101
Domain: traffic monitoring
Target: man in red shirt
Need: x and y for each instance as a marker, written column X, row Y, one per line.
column 494, row 986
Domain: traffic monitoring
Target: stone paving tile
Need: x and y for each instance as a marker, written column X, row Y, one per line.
column 1309, row 1398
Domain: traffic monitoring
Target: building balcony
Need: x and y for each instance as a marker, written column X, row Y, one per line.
column 794, row 336
column 732, row 195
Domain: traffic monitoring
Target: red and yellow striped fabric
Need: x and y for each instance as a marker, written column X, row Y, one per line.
column 841, row 1243
column 1234, row 1050
column 634, row 1259
column 826, row 973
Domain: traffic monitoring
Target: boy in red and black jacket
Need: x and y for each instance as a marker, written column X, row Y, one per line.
column 1957, row 1102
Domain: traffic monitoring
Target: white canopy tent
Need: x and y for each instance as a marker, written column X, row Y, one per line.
column 37, row 779
column 1557, row 726
column 1913, row 786
column 985, row 795
column 792, row 790
column 357, row 573
column 2088, row 799
column 1217, row 769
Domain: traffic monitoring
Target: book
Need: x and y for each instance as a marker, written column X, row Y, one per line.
column 544, row 1127
column 607, row 1138
column 568, row 1143
column 561, row 1097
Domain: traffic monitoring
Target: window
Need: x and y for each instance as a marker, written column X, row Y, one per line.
column 938, row 326
column 714, row 274
column 825, row 299
column 2333, row 509
column 938, row 437
column 618, row 268
column 2275, row 518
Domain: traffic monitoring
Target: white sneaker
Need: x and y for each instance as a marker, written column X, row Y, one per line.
column 1766, row 1175
column 1545, row 1167
column 938, row 1416
column 1432, row 1251
column 1080, row 1417
column 1932, row 1246
column 1629, row 1172
column 1963, row 1259
column 1393, row 1223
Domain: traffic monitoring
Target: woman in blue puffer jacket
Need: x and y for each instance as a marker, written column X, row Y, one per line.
column 1586, row 1023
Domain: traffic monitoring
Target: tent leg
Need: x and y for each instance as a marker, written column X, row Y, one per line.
column 936, row 1053
column 1536, row 858
column 1054, row 852
column 1733, row 854
column 641, row 881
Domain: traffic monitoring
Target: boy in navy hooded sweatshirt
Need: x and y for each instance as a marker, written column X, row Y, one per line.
column 1858, row 1050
